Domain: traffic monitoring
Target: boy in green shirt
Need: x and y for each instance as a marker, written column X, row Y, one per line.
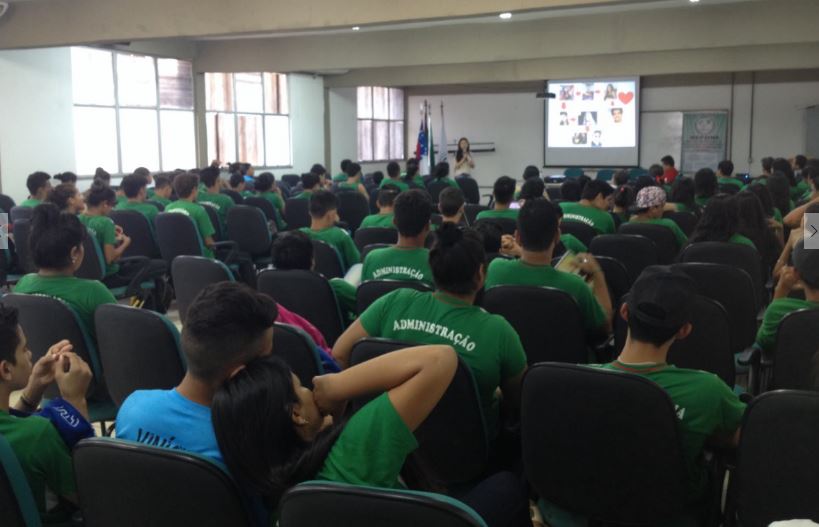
column 38, row 185
column 650, row 204
column 310, row 182
column 323, row 218
column 265, row 187
column 412, row 175
column 187, row 190
column 451, row 205
column 163, row 190
column 212, row 180
column 725, row 173
column 135, row 188
column 353, row 181
column 504, row 193
column 99, row 202
column 593, row 207
column 383, row 220
column 394, row 177
column 535, row 239
column 342, row 176
column 805, row 270
column 408, row 259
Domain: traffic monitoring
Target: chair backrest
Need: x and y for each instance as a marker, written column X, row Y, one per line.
column 553, row 192
column 235, row 196
column 297, row 213
column 371, row 290
column 261, row 203
column 604, row 175
column 92, row 266
column 291, row 180
column 177, row 236
column 22, row 231
column 469, row 187
column 342, row 505
column 686, row 221
column 297, row 349
column 247, row 226
column 471, row 211
column 617, row 277
column 796, row 359
column 307, row 294
column 352, row 208
column 373, row 246
column 777, row 470
column 634, row 252
column 733, row 254
column 191, row 274
column 435, row 187
column 507, row 225
column 573, row 172
column 159, row 206
column 20, row 213
column 137, row 227
column 663, row 238
column 370, row 235
column 374, row 199
column 214, row 220
column 139, row 350
column 327, row 259
column 581, row 231
column 131, row 484
column 452, row 440
column 16, row 500
column 548, row 321
column 6, row 203
column 733, row 289
column 583, row 428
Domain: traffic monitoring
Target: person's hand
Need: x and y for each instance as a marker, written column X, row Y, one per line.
column 73, row 377
column 125, row 241
column 509, row 246
column 325, row 394
column 118, row 230
column 587, row 264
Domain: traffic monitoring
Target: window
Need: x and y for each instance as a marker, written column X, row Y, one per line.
column 130, row 111
column 380, row 123
column 248, row 118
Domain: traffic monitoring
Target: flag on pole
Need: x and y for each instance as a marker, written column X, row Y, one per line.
column 443, row 154
column 421, row 147
column 431, row 142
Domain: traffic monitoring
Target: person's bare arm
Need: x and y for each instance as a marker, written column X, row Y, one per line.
column 794, row 218
column 589, row 265
column 787, row 281
column 344, row 344
column 208, row 241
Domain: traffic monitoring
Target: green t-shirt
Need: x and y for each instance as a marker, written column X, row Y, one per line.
column 571, row 243
column 487, row 343
column 372, row 447
column 778, row 215
column 84, row 296
column 146, row 209
column 402, row 186
column 278, row 205
column 43, row 456
column 305, row 194
column 682, row 239
column 448, row 180
column 511, row 214
column 340, row 240
column 103, row 229
column 247, row 194
column 776, row 311
column 396, row 263
column 30, row 203
column 344, row 292
column 340, row 177
column 348, row 186
column 221, row 203
column 599, row 219
column 200, row 218
column 382, row 221
column 682, row 207
column 163, row 201
column 121, row 199
column 742, row 240
column 705, row 406
column 730, row 181
column 702, row 201
column 799, row 190
column 518, row 272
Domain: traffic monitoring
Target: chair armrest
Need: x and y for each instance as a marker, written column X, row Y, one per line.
column 749, row 357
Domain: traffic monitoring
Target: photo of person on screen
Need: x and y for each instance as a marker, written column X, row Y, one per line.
column 588, row 95
column 567, row 92
column 580, row 138
column 597, row 139
column 587, row 119
column 617, row 115
column 611, row 92
column 564, row 119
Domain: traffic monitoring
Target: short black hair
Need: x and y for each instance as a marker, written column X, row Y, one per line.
column 309, row 180
column 322, row 202
column 185, row 183
column 36, row 181
column 142, row 171
column 532, row 188
column 456, row 258
column 53, row 235
column 413, row 209
column 531, row 172
column 387, row 195
column 726, row 167
column 667, row 160
column 705, row 183
column 209, row 176
column 655, row 171
column 537, row 224
column 264, row 182
column 162, row 181
column 393, row 169
column 132, row 184
column 767, row 163
column 224, row 328
column 450, row 201
column 100, row 193
column 60, row 195
column 620, row 177
column 66, row 177
column 596, row 187
column 293, row 250
column 318, row 169
column 236, row 179
column 491, row 234
column 800, row 161
column 353, row 169
column 377, row 177
column 344, row 164
column 570, row 190
column 9, row 335
column 504, row 190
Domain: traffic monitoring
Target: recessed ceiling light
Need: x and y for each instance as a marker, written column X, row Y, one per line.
column 356, row 28
column 694, row 1
column 505, row 16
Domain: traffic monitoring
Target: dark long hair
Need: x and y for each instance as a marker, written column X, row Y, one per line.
column 460, row 154
column 252, row 419
column 412, row 170
column 684, row 191
column 53, row 235
column 754, row 225
column 720, row 220
column 455, row 259
column 441, row 170
column 764, row 196
column 780, row 190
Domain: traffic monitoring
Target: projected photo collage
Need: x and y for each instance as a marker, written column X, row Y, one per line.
column 596, row 114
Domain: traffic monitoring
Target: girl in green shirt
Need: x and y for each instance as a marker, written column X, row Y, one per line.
column 441, row 173
column 67, row 198
column 720, row 222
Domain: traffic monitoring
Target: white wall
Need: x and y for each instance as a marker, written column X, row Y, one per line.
column 342, row 129
column 36, row 116
column 306, row 122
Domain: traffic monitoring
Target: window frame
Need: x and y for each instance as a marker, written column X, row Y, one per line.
column 389, row 122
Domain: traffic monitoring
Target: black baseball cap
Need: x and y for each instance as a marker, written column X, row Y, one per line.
column 662, row 298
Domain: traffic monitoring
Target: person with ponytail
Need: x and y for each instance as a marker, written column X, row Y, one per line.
column 720, row 222
column 56, row 250
column 486, row 343
column 67, row 178
column 67, row 198
column 441, row 173
column 412, row 177
column 100, row 201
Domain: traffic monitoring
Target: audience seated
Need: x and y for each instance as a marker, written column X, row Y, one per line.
column 492, row 236
column 186, row 186
column 100, row 201
column 353, row 181
column 683, row 196
column 163, row 190
column 705, row 186
column 650, row 204
column 592, row 209
column 411, row 176
column 503, row 192
column 135, row 188
column 38, row 185
column 236, row 183
column 451, row 204
column 570, row 241
column 394, row 177
column 720, row 222
column 265, row 187
column 570, row 190
column 780, row 188
column 342, row 176
column 623, row 202
column 310, row 182
column 323, row 218
column 67, row 198
column 532, row 188
column 441, row 174
column 725, row 175
column 384, row 218
column 212, row 181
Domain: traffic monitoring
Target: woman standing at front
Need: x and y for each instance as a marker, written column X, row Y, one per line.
column 464, row 164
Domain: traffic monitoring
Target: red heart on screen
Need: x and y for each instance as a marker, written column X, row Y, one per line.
column 563, row 106
column 573, row 119
column 578, row 93
column 625, row 97
column 598, row 91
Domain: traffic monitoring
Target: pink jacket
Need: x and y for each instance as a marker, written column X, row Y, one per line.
column 288, row 317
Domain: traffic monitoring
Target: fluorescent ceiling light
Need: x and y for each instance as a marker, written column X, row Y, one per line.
column 505, row 16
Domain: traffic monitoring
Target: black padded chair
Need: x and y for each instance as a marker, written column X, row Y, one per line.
column 297, row 213
column 352, row 209
column 131, row 484
column 6, row 203
column 135, row 276
column 218, row 235
column 137, row 227
column 452, row 441
column 548, row 321
column 777, row 474
column 327, row 260
column 373, row 246
column 191, row 274
column 735, row 255
column 469, row 187
column 16, row 499
column 22, row 231
column 663, row 238
column 581, row 231
column 341, row 505
column 617, row 277
column 139, row 350
column 507, row 225
column 471, row 211
column 291, row 180
column 371, row 235
column 265, row 206
column 686, row 221
column 307, row 294
column 249, row 229
column 374, row 200
column 795, row 363
column 579, row 449
column 371, row 290
column 20, row 213
column 235, row 196
column 296, row 348
column 177, row 236
column 634, row 252
column 435, row 187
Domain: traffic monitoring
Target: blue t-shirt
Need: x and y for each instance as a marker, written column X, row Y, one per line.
column 164, row 418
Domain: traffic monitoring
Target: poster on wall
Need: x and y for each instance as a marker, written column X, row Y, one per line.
column 704, row 140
